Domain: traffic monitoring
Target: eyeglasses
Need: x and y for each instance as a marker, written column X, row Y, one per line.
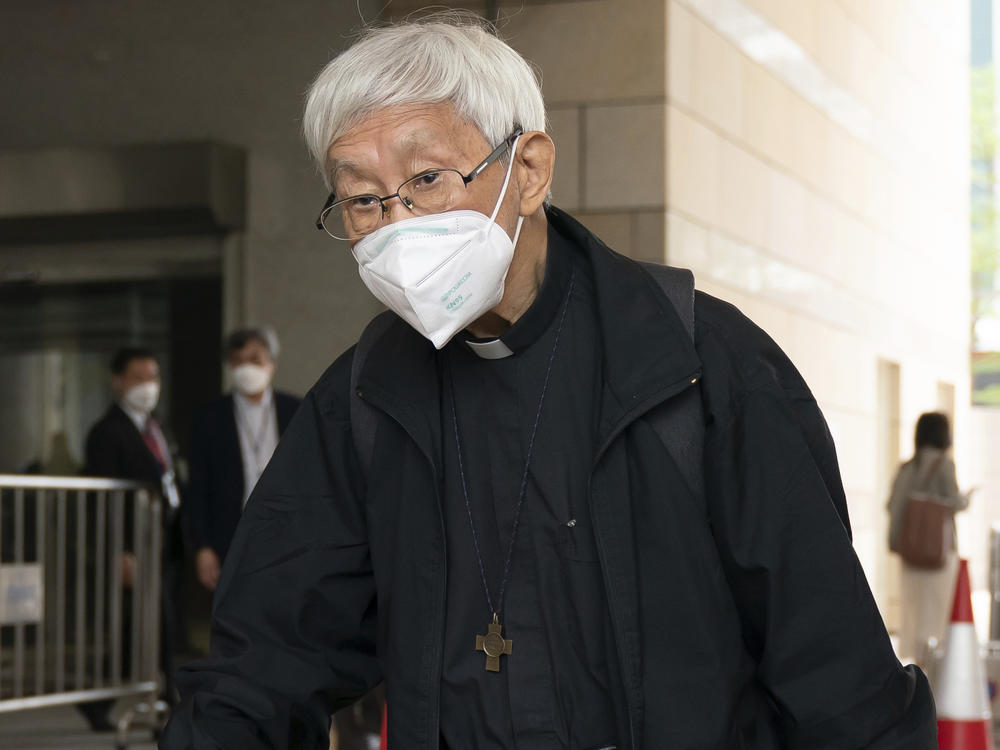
column 430, row 192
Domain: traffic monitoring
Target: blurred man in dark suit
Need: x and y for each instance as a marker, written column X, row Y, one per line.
column 232, row 442
column 129, row 443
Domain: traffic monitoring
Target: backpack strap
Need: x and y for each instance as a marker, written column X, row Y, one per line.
column 678, row 285
column 364, row 419
column 680, row 423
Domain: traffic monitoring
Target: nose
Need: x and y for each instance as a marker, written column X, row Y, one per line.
column 396, row 208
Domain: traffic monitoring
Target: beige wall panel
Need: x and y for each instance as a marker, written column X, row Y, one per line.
column 809, row 144
column 564, row 127
column 687, row 244
column 649, row 235
column 832, row 43
column 834, row 363
column 766, row 103
column 717, row 86
column 795, row 18
column 878, row 17
column 826, row 257
column 693, row 167
column 868, row 71
column 598, row 50
column 744, row 192
column 856, row 446
column 637, row 234
column 790, row 232
column 844, row 171
column 681, row 27
column 625, row 156
column 614, row 229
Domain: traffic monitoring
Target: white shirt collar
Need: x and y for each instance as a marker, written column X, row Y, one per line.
column 244, row 403
column 138, row 418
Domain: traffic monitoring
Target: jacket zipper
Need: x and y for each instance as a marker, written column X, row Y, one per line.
column 439, row 625
column 630, row 416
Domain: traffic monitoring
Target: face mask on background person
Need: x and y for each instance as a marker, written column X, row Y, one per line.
column 250, row 379
column 439, row 272
column 143, row 397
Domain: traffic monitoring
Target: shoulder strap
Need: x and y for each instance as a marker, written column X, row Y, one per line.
column 680, row 424
column 678, row 285
column 364, row 420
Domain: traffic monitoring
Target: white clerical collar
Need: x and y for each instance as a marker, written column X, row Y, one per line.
column 495, row 349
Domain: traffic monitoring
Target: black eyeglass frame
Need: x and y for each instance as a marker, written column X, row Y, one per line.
column 332, row 202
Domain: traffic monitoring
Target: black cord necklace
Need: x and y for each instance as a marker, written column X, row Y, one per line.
column 493, row 644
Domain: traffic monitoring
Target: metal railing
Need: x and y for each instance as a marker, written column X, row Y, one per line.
column 79, row 594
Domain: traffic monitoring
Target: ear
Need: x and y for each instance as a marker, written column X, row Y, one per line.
column 535, row 160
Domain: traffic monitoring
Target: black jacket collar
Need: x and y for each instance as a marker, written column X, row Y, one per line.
column 647, row 350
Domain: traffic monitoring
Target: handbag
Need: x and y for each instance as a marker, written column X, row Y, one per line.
column 928, row 530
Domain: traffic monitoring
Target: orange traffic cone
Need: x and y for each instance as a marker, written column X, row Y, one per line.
column 963, row 707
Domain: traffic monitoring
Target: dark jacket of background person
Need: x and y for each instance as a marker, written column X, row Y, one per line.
column 115, row 449
column 214, row 499
column 742, row 617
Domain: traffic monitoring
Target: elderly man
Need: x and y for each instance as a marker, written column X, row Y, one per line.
column 232, row 441
column 553, row 498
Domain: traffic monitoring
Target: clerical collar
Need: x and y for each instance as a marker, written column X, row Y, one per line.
column 537, row 318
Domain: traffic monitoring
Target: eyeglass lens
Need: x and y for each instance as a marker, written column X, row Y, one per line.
column 427, row 193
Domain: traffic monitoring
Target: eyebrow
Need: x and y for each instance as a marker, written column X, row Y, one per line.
column 339, row 166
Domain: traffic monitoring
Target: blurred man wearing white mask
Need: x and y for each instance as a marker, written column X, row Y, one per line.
column 129, row 443
column 232, row 442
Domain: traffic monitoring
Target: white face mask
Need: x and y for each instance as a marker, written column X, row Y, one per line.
column 439, row 272
column 143, row 397
column 250, row 379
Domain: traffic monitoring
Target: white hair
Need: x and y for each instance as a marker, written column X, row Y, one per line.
column 441, row 58
column 265, row 334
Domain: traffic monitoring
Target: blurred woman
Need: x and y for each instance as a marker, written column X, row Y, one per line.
column 926, row 594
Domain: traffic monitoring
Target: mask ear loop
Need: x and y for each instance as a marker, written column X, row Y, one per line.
column 503, row 192
column 517, row 232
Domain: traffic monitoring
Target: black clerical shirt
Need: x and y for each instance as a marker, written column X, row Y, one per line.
column 553, row 690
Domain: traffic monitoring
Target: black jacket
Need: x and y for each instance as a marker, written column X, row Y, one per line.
column 742, row 617
column 214, row 498
column 115, row 449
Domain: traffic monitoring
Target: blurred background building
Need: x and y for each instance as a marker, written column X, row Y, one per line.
column 808, row 159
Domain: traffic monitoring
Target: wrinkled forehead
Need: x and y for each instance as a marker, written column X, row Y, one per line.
column 403, row 135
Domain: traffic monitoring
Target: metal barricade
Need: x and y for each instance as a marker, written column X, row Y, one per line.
column 71, row 629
